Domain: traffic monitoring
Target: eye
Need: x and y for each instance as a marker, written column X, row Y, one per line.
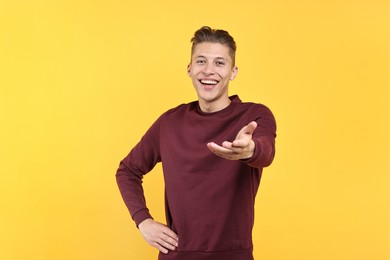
column 220, row 63
column 200, row 61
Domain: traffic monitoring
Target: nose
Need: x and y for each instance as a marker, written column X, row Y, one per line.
column 208, row 68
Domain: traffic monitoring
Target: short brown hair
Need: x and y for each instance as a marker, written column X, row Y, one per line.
column 206, row 34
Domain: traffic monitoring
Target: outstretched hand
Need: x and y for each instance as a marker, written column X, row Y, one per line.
column 241, row 148
column 158, row 235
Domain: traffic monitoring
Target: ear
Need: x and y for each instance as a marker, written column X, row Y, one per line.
column 234, row 73
column 189, row 69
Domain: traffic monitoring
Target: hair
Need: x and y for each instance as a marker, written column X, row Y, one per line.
column 207, row 34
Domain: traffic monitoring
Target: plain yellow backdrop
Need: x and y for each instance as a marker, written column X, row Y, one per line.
column 82, row 80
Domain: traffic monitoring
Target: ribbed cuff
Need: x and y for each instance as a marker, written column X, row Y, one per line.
column 254, row 160
column 264, row 153
column 141, row 216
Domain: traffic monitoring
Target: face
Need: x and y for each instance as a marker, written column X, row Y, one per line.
column 211, row 69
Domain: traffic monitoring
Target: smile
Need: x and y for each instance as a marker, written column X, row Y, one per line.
column 208, row 82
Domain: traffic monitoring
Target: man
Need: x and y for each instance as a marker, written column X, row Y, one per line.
column 212, row 151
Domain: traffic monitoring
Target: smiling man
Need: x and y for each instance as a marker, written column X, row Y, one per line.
column 213, row 151
column 211, row 69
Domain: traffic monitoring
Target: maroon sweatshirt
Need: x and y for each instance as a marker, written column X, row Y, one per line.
column 209, row 200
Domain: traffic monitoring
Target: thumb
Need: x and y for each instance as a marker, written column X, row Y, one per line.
column 250, row 128
column 245, row 135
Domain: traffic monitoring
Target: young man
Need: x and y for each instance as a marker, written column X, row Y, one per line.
column 212, row 151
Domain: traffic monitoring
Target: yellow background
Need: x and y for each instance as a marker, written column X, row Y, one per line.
column 82, row 80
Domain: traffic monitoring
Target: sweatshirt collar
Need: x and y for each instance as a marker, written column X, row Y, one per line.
column 234, row 101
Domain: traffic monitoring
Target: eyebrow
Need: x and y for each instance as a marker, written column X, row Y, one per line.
column 204, row 57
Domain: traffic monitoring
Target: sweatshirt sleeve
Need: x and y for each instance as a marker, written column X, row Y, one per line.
column 141, row 160
column 263, row 137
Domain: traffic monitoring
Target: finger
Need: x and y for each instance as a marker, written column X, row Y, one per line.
column 222, row 152
column 160, row 247
column 227, row 145
column 237, row 147
column 170, row 240
column 171, row 235
column 164, row 243
column 219, row 150
column 241, row 143
column 250, row 128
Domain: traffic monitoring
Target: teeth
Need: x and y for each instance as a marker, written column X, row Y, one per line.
column 209, row 82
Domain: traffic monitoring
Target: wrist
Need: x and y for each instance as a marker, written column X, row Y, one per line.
column 251, row 152
column 141, row 216
column 143, row 222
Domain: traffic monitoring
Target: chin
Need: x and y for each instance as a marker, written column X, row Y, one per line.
column 207, row 96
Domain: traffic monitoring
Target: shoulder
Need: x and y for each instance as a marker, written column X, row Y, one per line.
column 255, row 106
column 252, row 107
column 179, row 111
column 266, row 123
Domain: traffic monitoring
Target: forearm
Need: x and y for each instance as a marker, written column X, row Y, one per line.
column 141, row 160
column 130, row 186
